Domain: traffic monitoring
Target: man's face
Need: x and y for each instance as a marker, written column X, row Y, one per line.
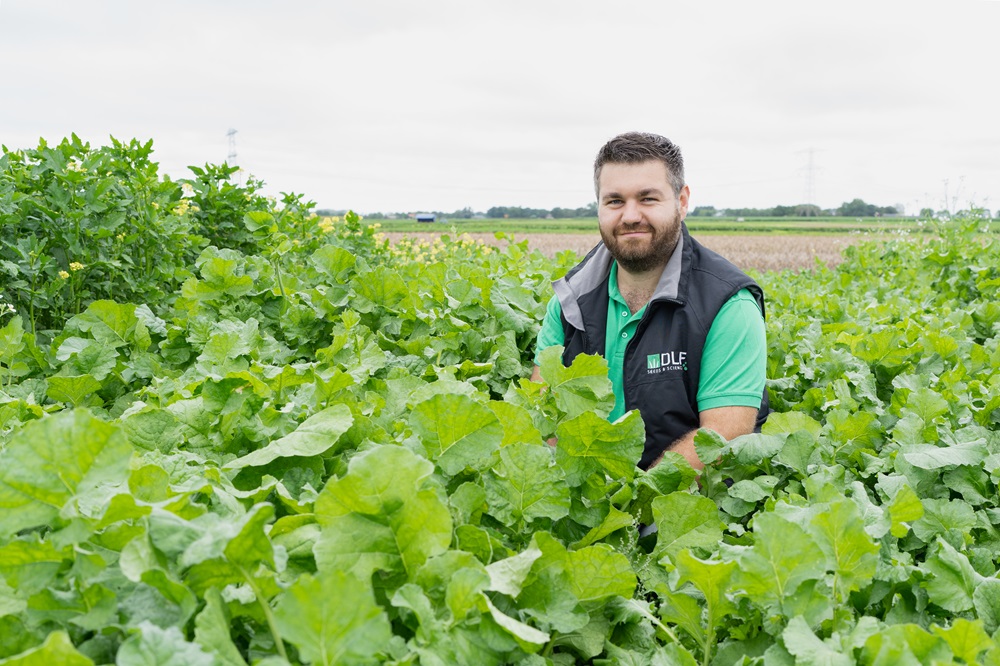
column 640, row 217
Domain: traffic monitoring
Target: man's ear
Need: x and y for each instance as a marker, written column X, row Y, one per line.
column 683, row 199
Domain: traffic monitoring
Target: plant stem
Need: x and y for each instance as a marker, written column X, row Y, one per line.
column 281, row 286
column 31, row 303
column 547, row 651
column 268, row 615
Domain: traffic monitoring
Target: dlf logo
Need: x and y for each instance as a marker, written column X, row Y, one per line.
column 673, row 360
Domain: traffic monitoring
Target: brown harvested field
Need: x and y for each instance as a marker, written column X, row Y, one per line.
column 759, row 251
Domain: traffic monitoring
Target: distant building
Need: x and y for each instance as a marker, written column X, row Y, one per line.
column 426, row 217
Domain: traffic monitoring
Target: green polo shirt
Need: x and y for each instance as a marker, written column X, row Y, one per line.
column 733, row 363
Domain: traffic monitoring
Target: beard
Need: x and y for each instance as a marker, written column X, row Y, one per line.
column 642, row 257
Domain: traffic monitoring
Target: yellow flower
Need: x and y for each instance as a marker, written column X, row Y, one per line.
column 75, row 266
column 63, row 274
column 121, row 236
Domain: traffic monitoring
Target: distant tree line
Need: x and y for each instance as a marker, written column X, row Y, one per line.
column 497, row 212
column 855, row 208
column 541, row 213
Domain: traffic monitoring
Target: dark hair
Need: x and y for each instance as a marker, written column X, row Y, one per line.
column 638, row 147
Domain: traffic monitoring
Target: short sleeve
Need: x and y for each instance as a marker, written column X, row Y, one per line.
column 734, row 361
column 551, row 333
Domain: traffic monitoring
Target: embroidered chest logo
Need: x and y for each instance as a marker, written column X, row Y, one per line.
column 666, row 362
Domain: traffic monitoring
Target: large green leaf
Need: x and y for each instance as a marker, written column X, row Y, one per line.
column 49, row 467
column 951, row 519
column 592, row 574
column 986, row 600
column 526, row 485
column 905, row 644
column 904, row 507
column 333, row 261
column 72, row 390
column 790, row 422
column 783, row 556
column 113, row 324
column 332, row 619
column 966, row 638
column 230, row 340
column 219, row 278
column 11, row 341
column 152, row 645
column 230, row 551
column 384, row 514
column 57, row 649
column 953, row 581
column 929, row 456
column 528, row 637
column 684, row 521
column 516, row 421
column 382, row 286
column 30, row 565
column 314, row 436
column 715, row 581
column 456, row 432
column 840, row 533
column 808, row 649
column 212, row 631
column 887, row 347
column 582, row 387
column 508, row 575
column 599, row 572
column 588, row 444
column 87, row 357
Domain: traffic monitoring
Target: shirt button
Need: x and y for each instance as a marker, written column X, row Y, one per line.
column 624, row 313
column 624, row 335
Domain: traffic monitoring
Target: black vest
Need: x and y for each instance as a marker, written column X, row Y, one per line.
column 662, row 363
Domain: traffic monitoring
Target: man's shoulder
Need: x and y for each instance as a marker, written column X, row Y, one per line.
column 711, row 280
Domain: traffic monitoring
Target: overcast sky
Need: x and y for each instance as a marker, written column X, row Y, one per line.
column 381, row 105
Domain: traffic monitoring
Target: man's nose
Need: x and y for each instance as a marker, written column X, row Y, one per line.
column 631, row 212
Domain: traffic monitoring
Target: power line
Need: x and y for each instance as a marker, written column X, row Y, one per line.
column 231, row 157
column 810, row 170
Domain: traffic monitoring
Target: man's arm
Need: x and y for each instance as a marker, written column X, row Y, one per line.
column 729, row 422
column 732, row 376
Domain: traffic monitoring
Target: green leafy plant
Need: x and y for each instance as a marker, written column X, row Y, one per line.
column 295, row 412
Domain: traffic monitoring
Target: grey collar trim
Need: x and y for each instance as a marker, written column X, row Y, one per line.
column 593, row 273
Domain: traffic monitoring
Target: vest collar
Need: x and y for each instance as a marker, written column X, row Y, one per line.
column 593, row 271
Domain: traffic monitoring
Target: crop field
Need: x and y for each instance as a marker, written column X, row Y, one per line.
column 702, row 225
column 756, row 252
column 234, row 433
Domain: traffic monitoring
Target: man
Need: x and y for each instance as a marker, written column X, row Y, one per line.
column 682, row 329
